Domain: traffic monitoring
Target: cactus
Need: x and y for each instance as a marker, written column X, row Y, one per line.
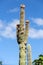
column 29, row 55
column 22, row 35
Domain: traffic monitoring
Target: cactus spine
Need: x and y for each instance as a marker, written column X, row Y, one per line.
column 22, row 35
column 29, row 55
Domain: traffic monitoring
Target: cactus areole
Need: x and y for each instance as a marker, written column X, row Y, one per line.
column 22, row 35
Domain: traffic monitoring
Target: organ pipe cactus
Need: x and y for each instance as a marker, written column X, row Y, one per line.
column 22, row 35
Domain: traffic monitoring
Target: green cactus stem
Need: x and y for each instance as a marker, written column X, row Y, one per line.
column 26, row 31
column 29, row 55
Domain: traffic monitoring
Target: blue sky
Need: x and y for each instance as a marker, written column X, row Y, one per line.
column 9, row 17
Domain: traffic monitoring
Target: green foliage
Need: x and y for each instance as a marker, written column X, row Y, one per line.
column 0, row 62
column 41, row 57
column 38, row 61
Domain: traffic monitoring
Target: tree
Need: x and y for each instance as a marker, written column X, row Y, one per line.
column 0, row 62
column 38, row 61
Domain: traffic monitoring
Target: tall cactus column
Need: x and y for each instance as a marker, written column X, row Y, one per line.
column 22, row 34
column 29, row 55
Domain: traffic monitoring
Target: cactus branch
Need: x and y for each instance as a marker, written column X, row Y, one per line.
column 29, row 55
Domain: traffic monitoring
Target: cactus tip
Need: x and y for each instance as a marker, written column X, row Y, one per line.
column 22, row 6
column 27, row 22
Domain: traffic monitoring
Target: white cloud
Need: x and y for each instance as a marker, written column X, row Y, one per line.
column 14, row 23
column 9, row 34
column 38, row 21
column 9, row 31
column 33, row 33
column 13, row 10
